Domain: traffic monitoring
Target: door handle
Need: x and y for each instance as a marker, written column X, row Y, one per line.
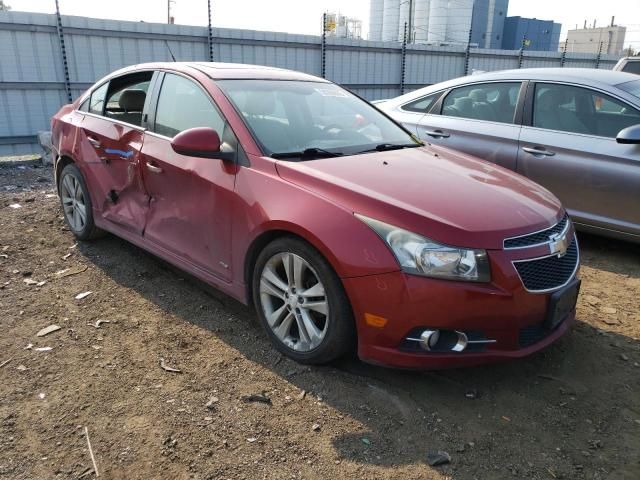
column 538, row 151
column 94, row 142
column 152, row 168
column 436, row 133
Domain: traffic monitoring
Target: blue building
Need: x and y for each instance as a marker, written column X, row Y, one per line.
column 541, row 35
column 487, row 22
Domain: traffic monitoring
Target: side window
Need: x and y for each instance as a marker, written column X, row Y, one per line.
column 126, row 97
column 492, row 102
column 96, row 102
column 183, row 105
column 422, row 105
column 580, row 110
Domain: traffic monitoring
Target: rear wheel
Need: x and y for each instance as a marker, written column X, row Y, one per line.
column 76, row 203
column 301, row 302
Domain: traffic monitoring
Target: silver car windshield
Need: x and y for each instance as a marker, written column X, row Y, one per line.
column 319, row 118
column 633, row 87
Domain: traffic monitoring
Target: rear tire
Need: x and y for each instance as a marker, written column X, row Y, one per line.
column 76, row 204
column 301, row 302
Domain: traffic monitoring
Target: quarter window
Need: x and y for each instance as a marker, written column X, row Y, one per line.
column 422, row 105
column 492, row 102
column 183, row 105
column 96, row 103
column 580, row 110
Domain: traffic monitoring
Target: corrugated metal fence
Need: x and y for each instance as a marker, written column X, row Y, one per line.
column 32, row 79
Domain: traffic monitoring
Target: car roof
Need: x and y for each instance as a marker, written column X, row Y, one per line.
column 220, row 71
column 583, row 76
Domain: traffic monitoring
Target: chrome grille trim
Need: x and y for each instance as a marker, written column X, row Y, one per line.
column 550, row 230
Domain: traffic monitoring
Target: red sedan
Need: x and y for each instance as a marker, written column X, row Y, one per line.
column 290, row 193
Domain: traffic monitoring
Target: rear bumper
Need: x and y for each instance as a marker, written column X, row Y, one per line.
column 503, row 311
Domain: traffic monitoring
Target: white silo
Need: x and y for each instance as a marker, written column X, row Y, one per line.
column 376, row 12
column 459, row 20
column 391, row 20
column 404, row 18
column 421, row 20
column 438, row 21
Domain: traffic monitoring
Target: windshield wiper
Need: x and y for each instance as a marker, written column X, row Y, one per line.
column 307, row 153
column 383, row 147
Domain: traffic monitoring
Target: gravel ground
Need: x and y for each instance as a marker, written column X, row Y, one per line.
column 572, row 411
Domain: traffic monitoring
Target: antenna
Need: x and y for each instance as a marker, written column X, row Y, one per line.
column 170, row 52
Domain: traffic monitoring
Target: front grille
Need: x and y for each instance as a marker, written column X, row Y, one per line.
column 537, row 237
column 549, row 272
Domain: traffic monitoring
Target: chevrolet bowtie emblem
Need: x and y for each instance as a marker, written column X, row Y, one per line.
column 558, row 244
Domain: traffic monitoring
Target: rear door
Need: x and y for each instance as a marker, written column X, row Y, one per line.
column 109, row 144
column 191, row 198
column 479, row 119
column 568, row 145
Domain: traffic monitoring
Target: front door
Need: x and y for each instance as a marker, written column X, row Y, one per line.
column 110, row 140
column 570, row 148
column 191, row 198
column 477, row 119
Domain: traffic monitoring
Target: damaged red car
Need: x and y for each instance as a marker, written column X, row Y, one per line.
column 344, row 231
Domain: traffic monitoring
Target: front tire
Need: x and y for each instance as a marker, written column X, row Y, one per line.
column 301, row 302
column 76, row 204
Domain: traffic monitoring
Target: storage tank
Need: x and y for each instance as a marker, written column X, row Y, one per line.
column 459, row 20
column 438, row 21
column 376, row 11
column 421, row 20
column 391, row 19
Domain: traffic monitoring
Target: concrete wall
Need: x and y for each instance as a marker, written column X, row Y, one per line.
column 32, row 82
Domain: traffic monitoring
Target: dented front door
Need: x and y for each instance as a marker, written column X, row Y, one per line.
column 111, row 153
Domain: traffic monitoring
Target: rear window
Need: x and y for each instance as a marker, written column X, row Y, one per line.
column 632, row 87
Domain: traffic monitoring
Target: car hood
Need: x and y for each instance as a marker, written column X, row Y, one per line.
column 445, row 195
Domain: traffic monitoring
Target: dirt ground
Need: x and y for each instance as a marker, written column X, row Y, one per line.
column 572, row 411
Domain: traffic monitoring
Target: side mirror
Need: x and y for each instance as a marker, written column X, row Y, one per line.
column 203, row 142
column 630, row 135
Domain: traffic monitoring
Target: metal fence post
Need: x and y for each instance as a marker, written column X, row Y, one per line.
column 403, row 61
column 63, row 50
column 564, row 53
column 467, row 55
column 599, row 55
column 210, row 32
column 323, row 46
column 521, row 54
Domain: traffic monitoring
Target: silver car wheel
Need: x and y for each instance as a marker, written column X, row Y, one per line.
column 294, row 302
column 73, row 203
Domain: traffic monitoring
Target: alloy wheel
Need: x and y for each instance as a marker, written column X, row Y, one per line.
column 73, row 202
column 294, row 302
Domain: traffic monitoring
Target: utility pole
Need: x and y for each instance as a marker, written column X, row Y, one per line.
column 169, row 19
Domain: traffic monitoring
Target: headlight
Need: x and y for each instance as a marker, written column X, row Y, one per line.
column 419, row 255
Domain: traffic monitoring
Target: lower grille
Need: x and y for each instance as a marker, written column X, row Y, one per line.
column 531, row 334
column 548, row 273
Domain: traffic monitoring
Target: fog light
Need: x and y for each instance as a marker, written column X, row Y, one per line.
column 429, row 338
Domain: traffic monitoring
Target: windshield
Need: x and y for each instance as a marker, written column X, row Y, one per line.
column 317, row 118
column 633, row 87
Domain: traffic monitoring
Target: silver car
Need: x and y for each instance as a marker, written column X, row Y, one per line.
column 575, row 131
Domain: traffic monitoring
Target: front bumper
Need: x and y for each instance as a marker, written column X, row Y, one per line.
column 502, row 310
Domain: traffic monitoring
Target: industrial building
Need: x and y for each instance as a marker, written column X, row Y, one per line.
column 337, row 25
column 488, row 23
column 605, row 40
column 531, row 34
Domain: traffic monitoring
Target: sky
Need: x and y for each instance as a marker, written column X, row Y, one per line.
column 304, row 16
